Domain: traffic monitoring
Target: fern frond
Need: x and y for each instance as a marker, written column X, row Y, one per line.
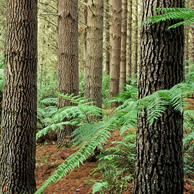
column 1, row 73
column 50, row 101
column 189, row 119
column 100, row 136
column 83, row 133
column 185, row 14
column 89, row 135
column 75, row 99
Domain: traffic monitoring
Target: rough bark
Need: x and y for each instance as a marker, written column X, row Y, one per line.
column 115, row 40
column 17, row 156
column 192, row 31
column 186, row 39
column 159, row 158
column 123, row 45
column 136, row 39
column 93, row 72
column 68, row 58
column 85, row 30
column 107, row 33
column 129, row 35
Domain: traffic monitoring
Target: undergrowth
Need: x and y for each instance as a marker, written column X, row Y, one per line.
column 116, row 162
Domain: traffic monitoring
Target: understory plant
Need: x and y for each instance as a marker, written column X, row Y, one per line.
column 91, row 133
column 117, row 165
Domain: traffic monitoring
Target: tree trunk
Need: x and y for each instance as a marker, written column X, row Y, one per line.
column 85, row 31
column 68, row 58
column 192, row 31
column 159, row 158
column 136, row 38
column 115, row 40
column 123, row 45
column 93, row 77
column 107, row 33
column 129, row 35
column 17, row 156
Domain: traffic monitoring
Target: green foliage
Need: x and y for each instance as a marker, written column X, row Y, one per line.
column 92, row 133
column 105, row 89
column 117, row 165
column 130, row 91
column 81, row 84
column 78, row 115
column 182, row 15
column 48, row 88
column 99, row 186
column 188, row 142
column 47, row 101
column 189, row 76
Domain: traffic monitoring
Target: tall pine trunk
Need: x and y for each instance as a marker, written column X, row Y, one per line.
column 123, row 45
column 159, row 159
column 192, row 31
column 68, row 58
column 85, row 30
column 93, row 72
column 129, row 35
column 136, row 39
column 17, row 156
column 107, row 34
column 115, row 41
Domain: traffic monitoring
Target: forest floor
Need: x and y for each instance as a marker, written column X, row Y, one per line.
column 81, row 180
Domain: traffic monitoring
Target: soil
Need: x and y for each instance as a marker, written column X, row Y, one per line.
column 81, row 180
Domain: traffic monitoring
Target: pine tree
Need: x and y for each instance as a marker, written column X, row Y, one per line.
column 17, row 156
column 136, row 39
column 123, row 44
column 68, row 58
column 129, row 36
column 107, row 33
column 159, row 158
column 192, row 53
column 115, row 41
column 93, row 72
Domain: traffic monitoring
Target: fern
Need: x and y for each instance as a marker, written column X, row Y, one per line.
column 99, row 186
column 185, row 14
column 49, row 101
column 115, row 162
column 99, row 135
column 91, row 134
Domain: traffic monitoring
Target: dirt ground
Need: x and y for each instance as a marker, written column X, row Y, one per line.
column 80, row 181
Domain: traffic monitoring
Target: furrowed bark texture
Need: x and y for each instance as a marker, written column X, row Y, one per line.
column 129, row 35
column 123, row 45
column 85, row 30
column 93, row 77
column 115, row 41
column 159, row 159
column 107, row 34
column 192, row 31
column 68, row 58
column 17, row 156
column 136, row 39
